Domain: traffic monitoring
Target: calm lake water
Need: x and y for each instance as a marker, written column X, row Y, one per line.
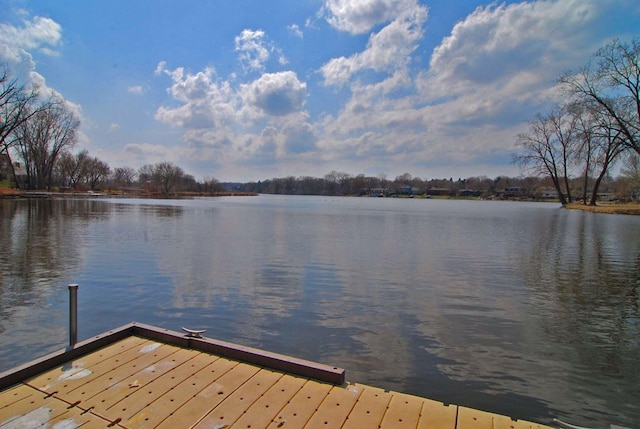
column 522, row 309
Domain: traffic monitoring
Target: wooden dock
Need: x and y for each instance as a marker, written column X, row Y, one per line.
column 138, row 376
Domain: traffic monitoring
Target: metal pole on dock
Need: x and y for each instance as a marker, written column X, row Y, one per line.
column 73, row 315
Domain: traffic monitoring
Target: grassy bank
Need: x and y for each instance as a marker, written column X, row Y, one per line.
column 6, row 191
column 608, row 208
column 11, row 192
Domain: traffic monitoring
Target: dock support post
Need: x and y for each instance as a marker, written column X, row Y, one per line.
column 73, row 315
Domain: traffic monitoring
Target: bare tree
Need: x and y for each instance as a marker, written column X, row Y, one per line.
column 64, row 169
column 16, row 108
column 71, row 169
column 50, row 131
column 631, row 168
column 548, row 148
column 612, row 84
column 146, row 177
column 382, row 180
column 211, row 184
column 124, row 177
column 167, row 176
column 585, row 149
column 630, row 172
column 564, row 121
column 331, row 180
column 337, row 182
column 605, row 146
column 96, row 171
column 163, row 176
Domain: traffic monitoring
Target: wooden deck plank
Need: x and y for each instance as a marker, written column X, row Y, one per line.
column 369, row 409
column 22, row 406
column 75, row 418
column 140, row 403
column 302, row 406
column 333, row 411
column 266, row 408
column 469, row 418
column 504, row 422
column 523, row 424
column 437, row 415
column 209, row 397
column 123, row 381
column 184, row 392
column 42, row 418
column 39, row 410
column 131, row 358
column 232, row 407
column 77, row 368
column 14, row 394
column 120, row 374
column 403, row 412
column 97, row 423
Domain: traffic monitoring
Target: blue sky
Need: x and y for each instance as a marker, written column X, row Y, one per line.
column 250, row 90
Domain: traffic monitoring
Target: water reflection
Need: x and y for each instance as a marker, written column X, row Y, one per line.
column 41, row 243
column 40, row 240
column 522, row 309
column 584, row 272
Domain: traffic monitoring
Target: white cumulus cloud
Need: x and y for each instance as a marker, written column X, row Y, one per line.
column 295, row 30
column 276, row 94
column 160, row 68
column 360, row 16
column 498, row 44
column 39, row 33
column 207, row 100
column 137, row 89
column 387, row 50
column 255, row 50
column 259, row 121
column 18, row 44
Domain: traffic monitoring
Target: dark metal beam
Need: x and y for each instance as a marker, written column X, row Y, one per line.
column 251, row 355
column 52, row 360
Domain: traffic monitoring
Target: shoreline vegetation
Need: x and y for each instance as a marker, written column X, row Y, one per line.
column 602, row 207
column 608, row 208
column 17, row 193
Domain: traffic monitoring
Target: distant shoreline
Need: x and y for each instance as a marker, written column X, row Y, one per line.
column 602, row 207
column 16, row 193
column 608, row 208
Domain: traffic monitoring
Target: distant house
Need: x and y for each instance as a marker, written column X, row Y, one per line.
column 548, row 194
column 512, row 192
column 7, row 172
column 379, row 192
column 469, row 193
column 439, row 191
column 605, row 196
column 408, row 190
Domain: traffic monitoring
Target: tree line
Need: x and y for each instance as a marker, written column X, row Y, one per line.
column 38, row 129
column 623, row 187
column 595, row 127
